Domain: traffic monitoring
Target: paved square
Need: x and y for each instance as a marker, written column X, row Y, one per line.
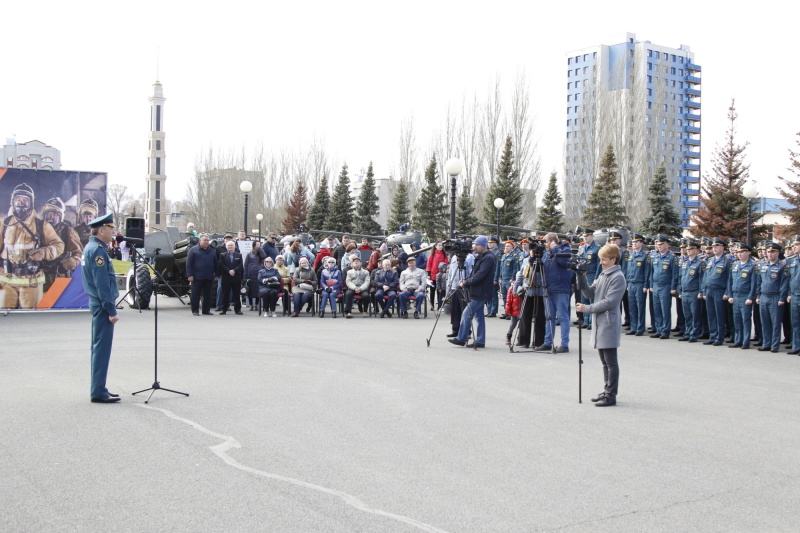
column 309, row 424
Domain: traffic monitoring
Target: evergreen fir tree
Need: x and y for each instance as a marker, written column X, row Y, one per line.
column 506, row 185
column 466, row 221
column 792, row 193
column 432, row 214
column 399, row 212
column 322, row 206
column 296, row 210
column 342, row 208
column 367, row 206
column 723, row 211
column 664, row 217
column 550, row 218
column 605, row 207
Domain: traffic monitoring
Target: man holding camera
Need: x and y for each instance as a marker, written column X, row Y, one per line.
column 558, row 281
column 481, row 283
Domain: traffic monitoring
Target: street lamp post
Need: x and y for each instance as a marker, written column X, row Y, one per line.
column 453, row 168
column 498, row 203
column 245, row 187
column 259, row 217
column 750, row 191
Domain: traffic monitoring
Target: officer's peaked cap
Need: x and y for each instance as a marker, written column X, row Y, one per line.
column 105, row 220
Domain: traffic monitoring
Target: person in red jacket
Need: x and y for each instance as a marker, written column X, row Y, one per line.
column 438, row 255
column 512, row 310
column 319, row 260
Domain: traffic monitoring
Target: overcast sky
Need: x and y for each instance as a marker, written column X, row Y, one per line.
column 78, row 74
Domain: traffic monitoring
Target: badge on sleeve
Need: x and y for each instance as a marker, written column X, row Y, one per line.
column 99, row 261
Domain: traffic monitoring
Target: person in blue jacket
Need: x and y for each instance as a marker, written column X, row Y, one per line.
column 741, row 292
column 794, row 294
column 480, row 283
column 772, row 289
column 588, row 252
column 663, row 283
column 689, row 295
column 100, row 284
column 558, row 280
column 636, row 276
column 715, row 281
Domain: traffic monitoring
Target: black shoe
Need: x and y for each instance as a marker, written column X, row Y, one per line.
column 757, row 343
column 491, row 315
column 639, row 333
column 631, row 333
column 784, row 341
column 680, row 334
column 664, row 337
column 708, row 343
column 543, row 348
column 223, row 312
column 717, row 344
column 705, row 336
column 476, row 345
column 562, row 349
column 239, row 313
column 107, row 399
column 764, row 349
column 334, row 314
column 683, row 339
column 655, row 336
column 626, row 325
column 692, row 340
column 322, row 314
column 673, row 330
column 452, row 335
column 416, row 314
column 508, row 317
column 794, row 352
column 775, row 350
column 735, row 346
column 113, row 395
column 456, row 342
column 746, row 347
column 599, row 397
column 209, row 313
column 606, row 402
column 196, row 314
column 218, row 309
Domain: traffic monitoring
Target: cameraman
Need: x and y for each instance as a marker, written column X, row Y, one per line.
column 481, row 282
column 558, row 280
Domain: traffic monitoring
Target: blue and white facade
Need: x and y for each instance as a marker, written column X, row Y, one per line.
column 643, row 100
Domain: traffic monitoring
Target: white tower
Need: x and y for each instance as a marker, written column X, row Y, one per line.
column 156, row 168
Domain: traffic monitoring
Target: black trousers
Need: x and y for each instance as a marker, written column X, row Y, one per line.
column 456, row 308
column 201, row 288
column 608, row 356
column 534, row 305
column 231, row 284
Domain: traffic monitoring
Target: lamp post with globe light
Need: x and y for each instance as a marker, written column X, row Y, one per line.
column 259, row 217
column 245, row 187
column 498, row 203
column 453, row 168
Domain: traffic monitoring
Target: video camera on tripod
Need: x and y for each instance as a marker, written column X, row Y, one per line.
column 461, row 247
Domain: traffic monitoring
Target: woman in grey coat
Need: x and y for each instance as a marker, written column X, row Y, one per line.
column 607, row 291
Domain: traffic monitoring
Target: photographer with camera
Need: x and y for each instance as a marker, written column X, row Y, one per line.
column 559, row 278
column 481, row 283
column 606, row 291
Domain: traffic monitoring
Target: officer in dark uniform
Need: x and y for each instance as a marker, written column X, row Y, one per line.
column 689, row 291
column 730, row 326
column 636, row 276
column 704, row 255
column 760, row 259
column 491, row 307
column 715, row 282
column 588, row 253
column 741, row 293
column 100, row 285
column 680, row 327
column 790, row 259
column 615, row 237
column 794, row 293
column 663, row 282
column 771, row 293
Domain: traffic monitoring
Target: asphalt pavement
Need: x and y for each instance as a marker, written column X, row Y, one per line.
column 309, row 424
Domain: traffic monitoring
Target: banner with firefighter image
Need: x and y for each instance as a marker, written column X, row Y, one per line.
column 42, row 235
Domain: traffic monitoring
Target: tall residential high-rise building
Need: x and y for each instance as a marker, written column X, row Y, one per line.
column 643, row 100
column 155, row 199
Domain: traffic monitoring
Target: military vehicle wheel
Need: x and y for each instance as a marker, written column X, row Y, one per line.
column 144, row 284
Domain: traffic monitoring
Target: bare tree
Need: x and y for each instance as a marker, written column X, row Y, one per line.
column 527, row 159
column 118, row 199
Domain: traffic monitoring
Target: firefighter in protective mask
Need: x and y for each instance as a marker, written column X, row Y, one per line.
column 25, row 243
column 87, row 212
column 62, row 267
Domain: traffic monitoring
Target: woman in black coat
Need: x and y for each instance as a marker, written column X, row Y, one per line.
column 252, row 265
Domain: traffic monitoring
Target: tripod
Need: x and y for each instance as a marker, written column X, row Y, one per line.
column 462, row 292
column 156, row 385
column 535, row 279
column 137, row 295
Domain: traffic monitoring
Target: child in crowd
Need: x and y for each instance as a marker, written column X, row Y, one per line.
column 512, row 310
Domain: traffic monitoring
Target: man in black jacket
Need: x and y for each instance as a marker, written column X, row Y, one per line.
column 202, row 270
column 480, row 283
column 231, row 268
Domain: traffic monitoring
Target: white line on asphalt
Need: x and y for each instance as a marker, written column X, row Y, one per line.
column 221, row 451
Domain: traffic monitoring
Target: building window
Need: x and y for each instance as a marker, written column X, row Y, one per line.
column 577, row 96
column 569, row 73
column 158, row 218
column 673, row 71
column 569, row 61
column 649, row 66
column 158, row 145
column 158, row 118
column 649, row 92
column 681, row 72
column 585, row 57
column 158, row 190
column 585, row 70
column 569, row 96
column 158, row 207
column 649, row 53
column 594, row 54
column 158, row 165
